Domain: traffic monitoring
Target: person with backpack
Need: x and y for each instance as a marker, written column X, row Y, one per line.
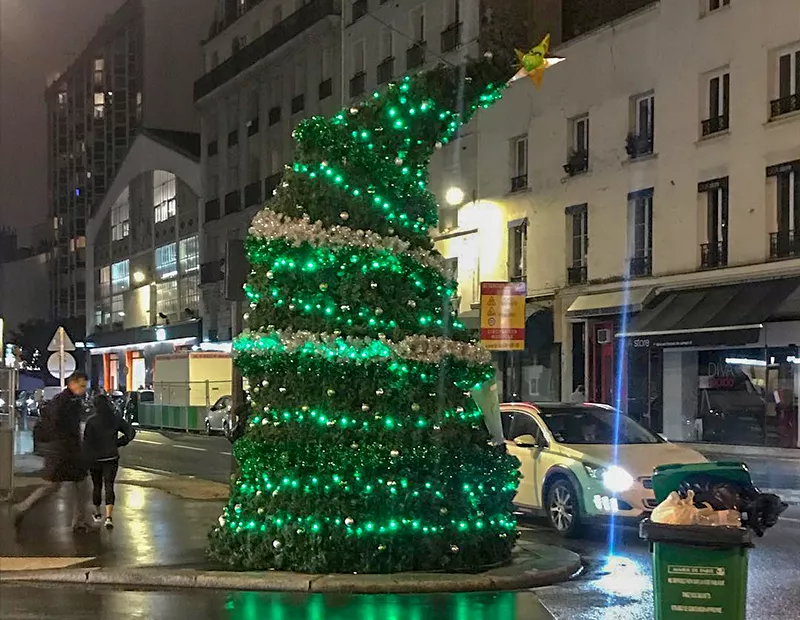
column 104, row 435
column 58, row 437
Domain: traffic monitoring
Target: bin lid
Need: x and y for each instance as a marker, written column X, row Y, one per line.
column 668, row 478
column 710, row 536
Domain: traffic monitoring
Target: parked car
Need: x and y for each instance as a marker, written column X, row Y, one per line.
column 571, row 470
column 219, row 417
column 132, row 401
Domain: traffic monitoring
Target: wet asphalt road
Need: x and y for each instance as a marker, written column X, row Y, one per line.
column 619, row 586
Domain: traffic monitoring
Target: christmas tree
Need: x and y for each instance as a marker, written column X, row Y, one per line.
column 364, row 451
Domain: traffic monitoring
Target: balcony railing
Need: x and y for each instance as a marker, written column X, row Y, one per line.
column 252, row 194
column 325, row 89
column 576, row 274
column 283, row 32
column 640, row 266
column 210, row 272
column 386, row 70
column 359, row 9
column 784, row 244
column 715, row 124
column 784, row 105
column 519, row 182
column 212, row 210
column 271, row 183
column 451, row 37
column 415, row 55
column 713, row 255
column 357, row 84
column 233, row 202
column 639, row 145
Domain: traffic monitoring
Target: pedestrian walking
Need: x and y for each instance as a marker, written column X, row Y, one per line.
column 104, row 435
column 58, row 434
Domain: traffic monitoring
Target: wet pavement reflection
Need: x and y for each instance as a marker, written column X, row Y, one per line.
column 18, row 603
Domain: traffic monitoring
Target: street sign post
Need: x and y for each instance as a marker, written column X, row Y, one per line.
column 503, row 316
column 60, row 361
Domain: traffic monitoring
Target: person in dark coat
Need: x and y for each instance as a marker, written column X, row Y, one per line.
column 101, row 444
column 59, row 430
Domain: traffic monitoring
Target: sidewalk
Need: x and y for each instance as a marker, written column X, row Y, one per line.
column 159, row 540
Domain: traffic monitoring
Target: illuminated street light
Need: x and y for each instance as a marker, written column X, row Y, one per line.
column 454, row 196
column 139, row 277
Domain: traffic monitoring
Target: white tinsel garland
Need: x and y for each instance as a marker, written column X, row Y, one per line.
column 431, row 349
column 269, row 225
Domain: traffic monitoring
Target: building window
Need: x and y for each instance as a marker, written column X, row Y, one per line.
column 640, row 233
column 166, row 261
column 99, row 105
column 386, row 43
column 714, row 253
column 517, row 250
column 418, row 24
column 189, row 252
column 785, row 243
column 578, row 226
column 120, row 217
column 99, row 69
column 714, row 5
column 190, row 293
column 164, row 195
column 358, row 81
column 117, row 308
column 359, row 9
column 167, row 298
column 105, row 281
column 519, row 163
column 274, row 115
column 718, row 104
column 578, row 156
column 120, row 276
column 788, row 80
column 640, row 140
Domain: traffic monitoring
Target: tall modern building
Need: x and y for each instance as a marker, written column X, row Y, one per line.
column 136, row 71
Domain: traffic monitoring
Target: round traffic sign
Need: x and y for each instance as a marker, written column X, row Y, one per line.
column 70, row 365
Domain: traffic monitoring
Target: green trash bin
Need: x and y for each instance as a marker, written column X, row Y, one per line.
column 699, row 572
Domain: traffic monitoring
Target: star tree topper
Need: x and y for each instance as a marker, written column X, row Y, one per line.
column 535, row 62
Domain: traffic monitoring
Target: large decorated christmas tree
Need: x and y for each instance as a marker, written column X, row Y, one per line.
column 364, row 451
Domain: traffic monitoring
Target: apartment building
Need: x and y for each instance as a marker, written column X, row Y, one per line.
column 647, row 196
column 137, row 71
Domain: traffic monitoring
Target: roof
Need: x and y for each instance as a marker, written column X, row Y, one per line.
column 185, row 142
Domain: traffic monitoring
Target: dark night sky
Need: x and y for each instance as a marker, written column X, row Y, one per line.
column 38, row 38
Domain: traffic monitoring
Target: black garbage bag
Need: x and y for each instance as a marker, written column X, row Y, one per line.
column 759, row 511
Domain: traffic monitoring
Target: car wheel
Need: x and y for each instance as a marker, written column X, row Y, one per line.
column 208, row 427
column 226, row 430
column 563, row 508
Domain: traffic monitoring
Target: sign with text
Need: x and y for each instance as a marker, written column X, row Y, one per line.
column 503, row 315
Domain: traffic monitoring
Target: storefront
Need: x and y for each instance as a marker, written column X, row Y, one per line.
column 718, row 364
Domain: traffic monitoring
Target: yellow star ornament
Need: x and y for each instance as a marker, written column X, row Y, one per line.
column 535, row 62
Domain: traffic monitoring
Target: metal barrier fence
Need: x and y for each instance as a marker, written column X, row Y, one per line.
column 8, row 423
column 182, row 405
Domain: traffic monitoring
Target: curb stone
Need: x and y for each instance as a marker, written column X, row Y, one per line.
column 533, row 566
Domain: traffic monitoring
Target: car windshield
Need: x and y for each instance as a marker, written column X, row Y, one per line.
column 594, row 425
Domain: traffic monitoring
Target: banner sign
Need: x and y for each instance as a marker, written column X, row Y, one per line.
column 503, row 316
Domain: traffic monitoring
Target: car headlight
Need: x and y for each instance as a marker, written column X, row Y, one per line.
column 614, row 478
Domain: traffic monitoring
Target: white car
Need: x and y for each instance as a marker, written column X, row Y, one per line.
column 219, row 417
column 573, row 472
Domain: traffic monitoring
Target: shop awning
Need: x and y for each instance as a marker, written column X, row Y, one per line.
column 600, row 304
column 717, row 316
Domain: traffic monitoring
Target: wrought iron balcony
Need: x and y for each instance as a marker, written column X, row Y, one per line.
column 451, row 37
column 386, row 70
column 415, row 55
column 357, row 83
column 713, row 255
column 715, row 124
column 784, row 244
column 519, row 182
column 640, row 266
column 577, row 162
column 233, row 202
column 576, row 274
column 784, row 105
column 639, row 145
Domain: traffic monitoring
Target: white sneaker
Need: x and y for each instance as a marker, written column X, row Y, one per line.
column 97, row 518
column 109, row 523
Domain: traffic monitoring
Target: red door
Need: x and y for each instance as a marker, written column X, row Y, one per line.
column 602, row 371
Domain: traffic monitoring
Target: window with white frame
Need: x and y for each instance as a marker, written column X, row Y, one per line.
column 99, row 105
column 519, row 163
column 167, row 297
column 189, row 254
column 120, row 216
column 190, row 293
column 117, row 308
column 787, row 83
column 644, row 110
column 715, row 5
column 580, row 134
column 578, row 217
column 418, row 24
column 104, row 279
column 120, row 276
column 452, row 12
column 164, row 195
column 640, row 232
column 517, row 250
column 718, row 95
column 166, row 261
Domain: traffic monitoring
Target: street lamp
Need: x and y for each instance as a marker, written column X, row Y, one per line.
column 139, row 277
column 454, row 196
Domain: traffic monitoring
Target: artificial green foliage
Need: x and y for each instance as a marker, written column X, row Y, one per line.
column 364, row 451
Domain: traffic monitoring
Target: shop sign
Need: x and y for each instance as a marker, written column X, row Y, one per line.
column 503, row 315
column 734, row 337
column 777, row 169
